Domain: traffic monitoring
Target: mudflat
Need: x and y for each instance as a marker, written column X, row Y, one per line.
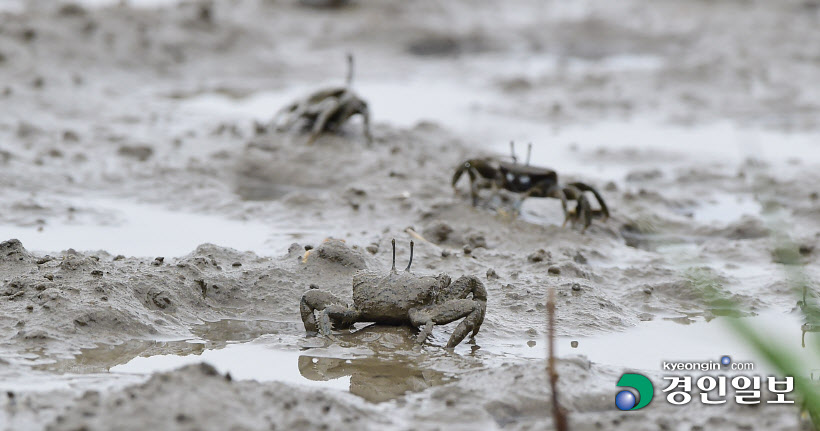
column 152, row 219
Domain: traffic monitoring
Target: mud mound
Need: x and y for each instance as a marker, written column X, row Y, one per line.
column 198, row 397
column 13, row 250
column 334, row 251
column 78, row 300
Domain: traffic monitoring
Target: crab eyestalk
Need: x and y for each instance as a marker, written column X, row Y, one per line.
column 411, row 257
column 393, row 269
column 349, row 79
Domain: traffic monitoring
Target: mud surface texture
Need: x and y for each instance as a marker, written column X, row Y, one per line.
column 168, row 107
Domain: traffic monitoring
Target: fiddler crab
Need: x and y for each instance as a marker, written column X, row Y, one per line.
column 531, row 181
column 326, row 110
column 400, row 298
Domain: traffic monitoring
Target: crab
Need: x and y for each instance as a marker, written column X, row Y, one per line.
column 326, row 110
column 400, row 298
column 531, row 181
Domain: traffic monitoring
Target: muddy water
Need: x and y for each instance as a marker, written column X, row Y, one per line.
column 652, row 343
column 146, row 230
column 697, row 186
column 479, row 116
column 375, row 363
column 375, row 379
column 381, row 364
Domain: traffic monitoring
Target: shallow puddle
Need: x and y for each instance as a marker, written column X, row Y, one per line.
column 242, row 361
column 105, row 357
column 210, row 336
column 477, row 114
column 648, row 345
column 150, row 230
column 376, row 363
column 725, row 208
column 383, row 363
column 371, row 378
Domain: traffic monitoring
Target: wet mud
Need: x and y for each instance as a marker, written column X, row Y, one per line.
column 702, row 147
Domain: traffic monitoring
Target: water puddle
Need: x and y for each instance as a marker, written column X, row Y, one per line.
column 725, row 208
column 536, row 67
column 243, row 361
column 372, row 378
column 402, row 104
column 136, row 229
column 104, row 357
column 376, row 363
column 644, row 143
column 208, row 335
column 476, row 113
column 646, row 346
column 383, row 363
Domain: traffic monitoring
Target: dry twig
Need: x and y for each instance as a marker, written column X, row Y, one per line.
column 559, row 415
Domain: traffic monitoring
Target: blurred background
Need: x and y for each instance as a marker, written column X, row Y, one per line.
column 136, row 133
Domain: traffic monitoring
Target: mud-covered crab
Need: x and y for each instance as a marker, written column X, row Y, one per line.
column 326, row 110
column 531, row 181
column 400, row 298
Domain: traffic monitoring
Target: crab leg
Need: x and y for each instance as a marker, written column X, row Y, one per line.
column 583, row 209
column 460, row 170
column 587, row 188
column 546, row 189
column 474, row 175
column 295, row 111
column 332, row 312
column 366, row 125
column 326, row 109
column 471, row 311
column 463, row 287
column 454, row 307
